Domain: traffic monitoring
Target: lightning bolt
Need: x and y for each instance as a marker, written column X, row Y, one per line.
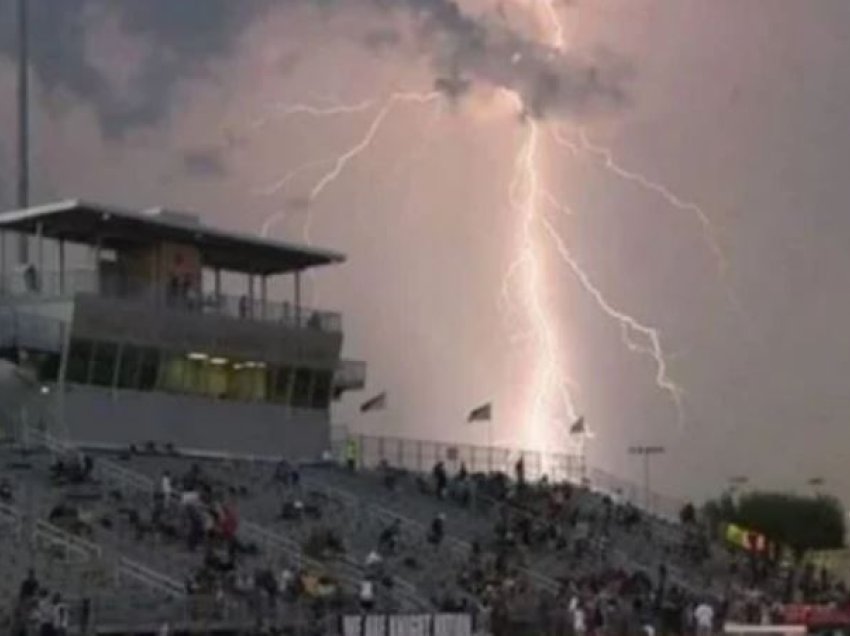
column 341, row 161
column 671, row 198
column 288, row 110
column 558, row 38
column 527, row 194
column 549, row 384
column 548, row 381
column 629, row 325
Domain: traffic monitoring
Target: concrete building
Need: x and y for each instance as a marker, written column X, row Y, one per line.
column 123, row 330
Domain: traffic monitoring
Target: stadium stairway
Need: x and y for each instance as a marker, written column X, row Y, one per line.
column 260, row 502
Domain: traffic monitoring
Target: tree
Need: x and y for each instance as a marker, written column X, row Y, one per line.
column 798, row 522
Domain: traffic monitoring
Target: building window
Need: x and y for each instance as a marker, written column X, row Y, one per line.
column 301, row 388
column 128, row 371
column 79, row 356
column 280, row 381
column 103, row 363
column 47, row 366
column 148, row 368
column 322, row 381
column 173, row 372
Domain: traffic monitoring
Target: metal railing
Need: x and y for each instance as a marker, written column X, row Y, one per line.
column 350, row 375
column 347, row 572
column 50, row 534
column 421, row 456
column 54, row 284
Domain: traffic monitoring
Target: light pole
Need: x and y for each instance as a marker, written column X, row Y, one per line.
column 646, row 452
column 737, row 482
column 816, row 483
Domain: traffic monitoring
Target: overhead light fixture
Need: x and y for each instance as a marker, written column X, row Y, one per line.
column 196, row 355
column 218, row 361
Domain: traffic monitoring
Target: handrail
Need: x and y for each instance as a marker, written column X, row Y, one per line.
column 152, row 578
column 93, row 551
column 459, row 546
column 252, row 530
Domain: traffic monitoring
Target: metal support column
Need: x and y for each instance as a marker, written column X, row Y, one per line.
column 61, row 267
column 264, row 312
column 23, row 124
column 298, row 298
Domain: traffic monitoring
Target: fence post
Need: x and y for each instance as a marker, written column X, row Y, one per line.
column 360, row 452
column 419, row 455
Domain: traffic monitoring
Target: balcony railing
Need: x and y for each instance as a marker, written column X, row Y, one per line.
column 350, row 375
column 53, row 284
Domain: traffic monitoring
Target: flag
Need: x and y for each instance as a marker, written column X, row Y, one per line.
column 375, row 404
column 481, row 414
column 578, row 427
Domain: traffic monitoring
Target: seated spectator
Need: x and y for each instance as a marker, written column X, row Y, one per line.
column 388, row 540
column 435, row 535
column 29, row 587
column 6, row 495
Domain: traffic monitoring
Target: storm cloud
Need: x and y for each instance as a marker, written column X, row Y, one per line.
column 185, row 39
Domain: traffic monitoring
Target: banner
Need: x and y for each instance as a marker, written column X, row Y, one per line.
column 407, row 625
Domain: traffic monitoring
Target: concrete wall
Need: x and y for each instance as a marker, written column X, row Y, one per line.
column 101, row 416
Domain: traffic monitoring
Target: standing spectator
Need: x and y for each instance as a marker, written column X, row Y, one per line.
column 704, row 618
column 579, row 619
column 59, row 613
column 519, row 470
column 85, row 616
column 165, row 487
column 367, row 595
column 440, row 479
column 351, row 454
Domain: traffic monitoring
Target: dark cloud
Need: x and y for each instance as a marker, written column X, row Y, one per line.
column 550, row 82
column 185, row 36
column 381, row 39
column 204, row 162
column 452, row 87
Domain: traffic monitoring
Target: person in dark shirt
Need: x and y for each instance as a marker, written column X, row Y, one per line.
column 29, row 587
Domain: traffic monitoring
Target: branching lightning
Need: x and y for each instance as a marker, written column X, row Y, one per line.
column 584, row 144
column 548, row 380
column 630, row 326
column 550, row 395
column 341, row 161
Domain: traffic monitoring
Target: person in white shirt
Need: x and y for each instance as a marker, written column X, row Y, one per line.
column 704, row 619
column 367, row 595
column 285, row 580
column 579, row 619
column 165, row 487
